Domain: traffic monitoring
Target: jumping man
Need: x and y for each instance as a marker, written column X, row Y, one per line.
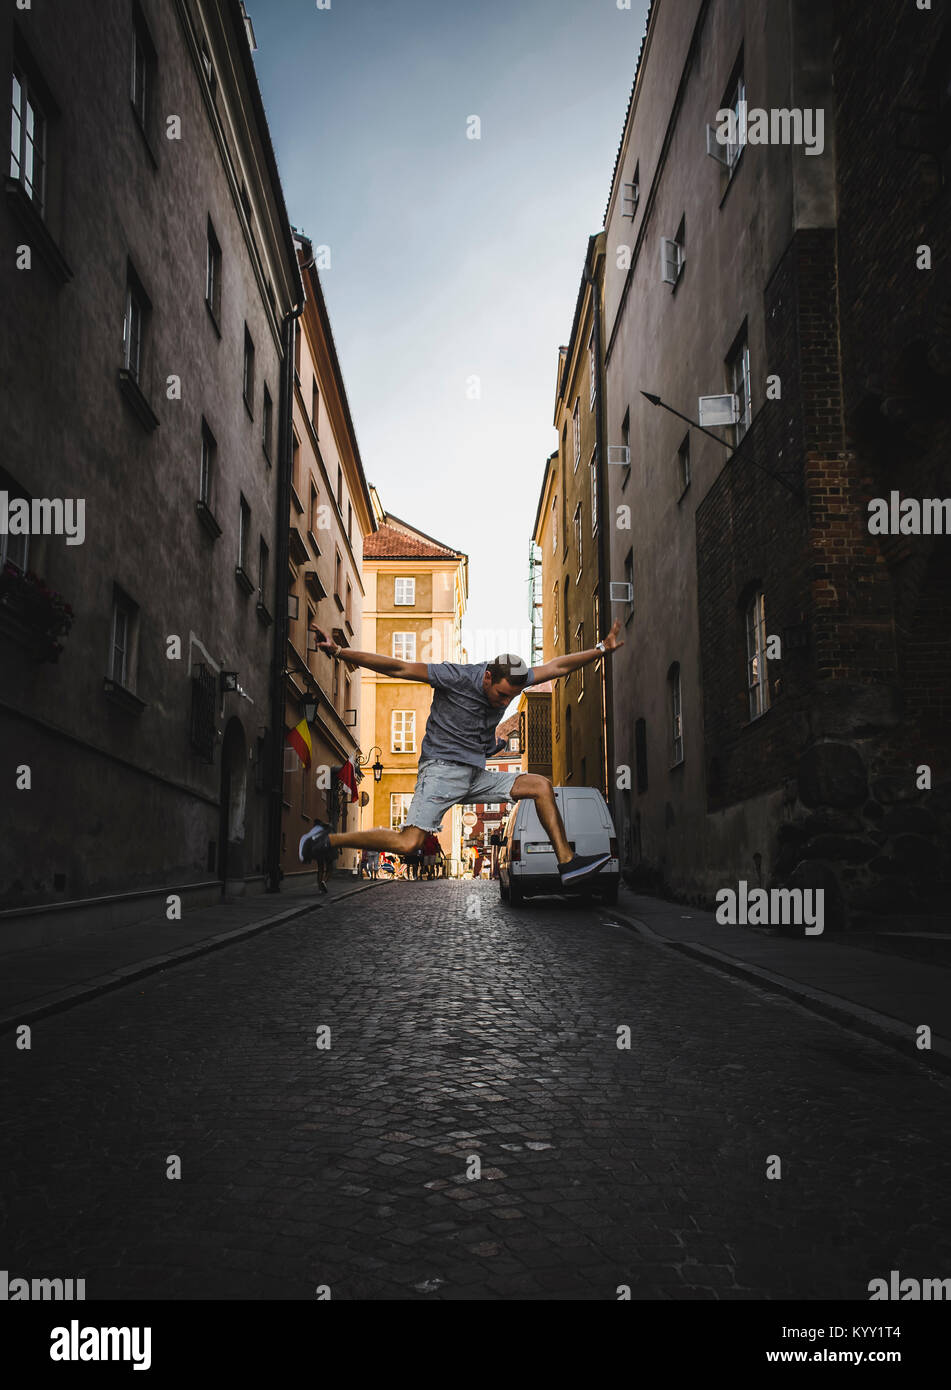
column 460, row 735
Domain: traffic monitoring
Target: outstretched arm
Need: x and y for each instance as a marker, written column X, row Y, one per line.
column 564, row 665
column 386, row 665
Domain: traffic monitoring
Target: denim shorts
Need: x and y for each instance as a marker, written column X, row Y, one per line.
column 440, row 784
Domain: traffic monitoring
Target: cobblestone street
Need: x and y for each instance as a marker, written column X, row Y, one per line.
column 460, row 1028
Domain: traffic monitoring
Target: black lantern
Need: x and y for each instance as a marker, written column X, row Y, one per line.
column 310, row 708
column 229, row 681
column 363, row 761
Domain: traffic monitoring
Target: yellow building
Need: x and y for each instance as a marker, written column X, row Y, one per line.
column 569, row 534
column 416, row 592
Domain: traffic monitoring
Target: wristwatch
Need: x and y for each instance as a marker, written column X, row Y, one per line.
column 600, row 647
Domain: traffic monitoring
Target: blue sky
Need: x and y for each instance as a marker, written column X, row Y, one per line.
column 451, row 257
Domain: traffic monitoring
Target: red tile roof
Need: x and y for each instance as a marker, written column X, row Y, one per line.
column 508, row 726
column 391, row 542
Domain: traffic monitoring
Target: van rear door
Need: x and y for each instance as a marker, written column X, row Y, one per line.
column 587, row 820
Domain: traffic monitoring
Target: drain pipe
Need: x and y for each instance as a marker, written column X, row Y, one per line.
column 281, row 619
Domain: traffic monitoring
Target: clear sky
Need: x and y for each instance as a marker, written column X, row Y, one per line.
column 452, row 258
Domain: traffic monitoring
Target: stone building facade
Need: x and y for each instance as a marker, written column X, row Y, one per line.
column 568, row 532
column 330, row 513
column 149, row 275
column 785, row 672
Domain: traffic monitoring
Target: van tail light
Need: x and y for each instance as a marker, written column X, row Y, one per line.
column 516, row 852
column 613, row 846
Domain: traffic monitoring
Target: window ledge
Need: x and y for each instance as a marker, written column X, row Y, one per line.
column 214, row 318
column 674, row 766
column 244, row 579
column 144, row 134
column 21, row 205
column 247, row 405
column 683, row 494
column 132, row 391
column 296, row 500
column 338, row 601
column 263, row 614
column 313, row 544
column 207, row 519
column 119, row 695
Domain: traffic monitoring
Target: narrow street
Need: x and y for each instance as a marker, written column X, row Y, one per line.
column 461, row 1028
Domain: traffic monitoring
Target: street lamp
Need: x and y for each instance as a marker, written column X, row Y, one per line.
column 363, row 761
column 310, row 704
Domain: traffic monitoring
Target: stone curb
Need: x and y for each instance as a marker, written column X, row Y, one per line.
column 891, row 1031
column 117, row 979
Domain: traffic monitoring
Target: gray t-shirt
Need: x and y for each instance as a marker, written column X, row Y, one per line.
column 461, row 725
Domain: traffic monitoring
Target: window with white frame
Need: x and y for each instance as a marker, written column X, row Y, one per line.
column 756, row 655
column 403, row 731
column 736, row 102
column 14, row 550
column 673, row 254
column 404, row 592
column 629, row 579
column 121, row 647
column 579, row 646
column 738, row 381
column 631, row 194
column 593, row 470
column 213, row 274
column 404, row 646
column 576, row 432
column 133, row 327
column 675, row 715
column 399, row 808
column 554, row 526
column 28, row 141
column 578, row 540
column 592, row 373
column 554, row 613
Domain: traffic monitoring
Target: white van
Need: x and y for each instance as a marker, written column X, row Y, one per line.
column 527, row 863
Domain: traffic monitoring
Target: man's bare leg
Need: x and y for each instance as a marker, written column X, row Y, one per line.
column 402, row 841
column 540, row 790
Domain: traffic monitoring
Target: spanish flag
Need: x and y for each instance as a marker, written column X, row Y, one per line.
column 299, row 739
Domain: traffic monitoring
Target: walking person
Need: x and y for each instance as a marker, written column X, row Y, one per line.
column 431, row 849
column 460, row 735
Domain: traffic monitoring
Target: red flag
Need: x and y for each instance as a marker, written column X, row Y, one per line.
column 347, row 777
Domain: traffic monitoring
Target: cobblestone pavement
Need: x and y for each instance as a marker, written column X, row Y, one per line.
column 461, row 1029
